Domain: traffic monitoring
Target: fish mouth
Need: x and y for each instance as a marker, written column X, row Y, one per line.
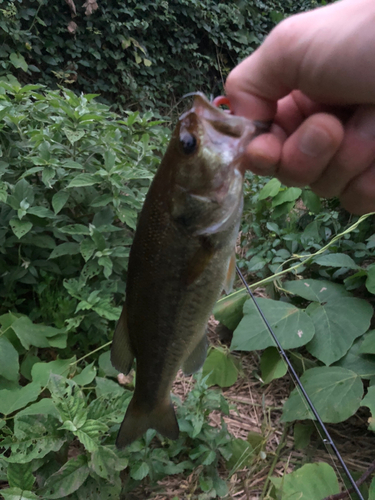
column 222, row 121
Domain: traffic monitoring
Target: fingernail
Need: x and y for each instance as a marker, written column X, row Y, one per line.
column 314, row 142
column 364, row 123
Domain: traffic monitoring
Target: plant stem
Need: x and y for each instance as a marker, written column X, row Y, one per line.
column 275, row 460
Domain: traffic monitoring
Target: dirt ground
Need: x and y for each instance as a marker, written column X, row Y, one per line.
column 258, row 409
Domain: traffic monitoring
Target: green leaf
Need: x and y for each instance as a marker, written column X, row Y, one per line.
column 105, row 387
column 292, row 326
column 228, row 310
column 82, row 180
column 66, row 480
column 18, row 61
column 86, row 376
column 369, row 401
column 310, row 482
column 139, row 471
column 287, row 195
column 75, row 229
column 336, row 260
column 312, row 201
column 242, row 453
column 335, row 392
column 105, row 462
column 64, row 249
column 38, row 335
column 58, row 200
column 272, row 365
column 371, row 491
column 87, row 248
column 18, row 494
column 316, row 290
column 20, row 227
column 40, row 212
column 9, row 364
column 337, row 324
column 302, row 434
column 93, row 489
column 107, row 265
column 45, row 407
column 270, row 190
column 73, row 135
column 106, row 365
column 362, row 364
column 35, row 437
column 20, row 476
column 368, row 344
column 41, row 372
column 13, row 400
column 220, row 368
column 370, row 281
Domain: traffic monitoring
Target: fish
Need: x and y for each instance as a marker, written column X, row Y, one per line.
column 181, row 258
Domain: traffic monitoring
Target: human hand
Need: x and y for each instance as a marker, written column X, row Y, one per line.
column 314, row 76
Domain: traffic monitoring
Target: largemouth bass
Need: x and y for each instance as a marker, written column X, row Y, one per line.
column 183, row 250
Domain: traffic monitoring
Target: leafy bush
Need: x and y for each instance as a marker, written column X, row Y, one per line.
column 137, row 54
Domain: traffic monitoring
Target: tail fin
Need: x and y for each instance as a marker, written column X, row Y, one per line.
column 137, row 422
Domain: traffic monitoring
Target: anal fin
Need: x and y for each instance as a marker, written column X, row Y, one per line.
column 122, row 356
column 196, row 358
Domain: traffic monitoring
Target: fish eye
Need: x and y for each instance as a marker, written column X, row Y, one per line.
column 188, row 143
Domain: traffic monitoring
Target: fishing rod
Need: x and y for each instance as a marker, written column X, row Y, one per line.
column 328, row 440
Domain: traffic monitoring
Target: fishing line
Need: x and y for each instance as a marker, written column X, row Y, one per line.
column 328, row 440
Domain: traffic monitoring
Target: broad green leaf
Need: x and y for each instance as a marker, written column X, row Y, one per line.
column 335, row 392
column 368, row 344
column 302, row 434
column 38, row 335
column 242, row 453
column 107, row 264
column 93, row 489
column 18, row 61
column 18, row 494
column 106, row 365
column 105, row 386
column 13, row 400
column 40, row 212
column 48, row 174
column 316, row 290
column 270, row 190
column 362, row 364
column 9, row 364
column 287, row 195
column 312, row 201
column 105, row 462
column 139, row 471
column 20, row 227
column 86, row 376
column 228, row 310
column 44, row 407
column 310, row 482
column 87, row 248
column 220, row 368
column 69, row 248
column 371, row 491
column 68, row 399
column 336, row 260
column 272, row 365
column 41, row 372
column 68, row 479
column 20, row 476
column 369, row 401
column 337, row 324
column 75, row 229
column 73, row 135
column 292, row 326
column 82, row 180
column 370, row 281
column 35, row 437
column 58, row 200
column 90, row 433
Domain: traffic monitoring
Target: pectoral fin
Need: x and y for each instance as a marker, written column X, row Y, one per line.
column 196, row 359
column 231, row 274
column 122, row 356
column 200, row 260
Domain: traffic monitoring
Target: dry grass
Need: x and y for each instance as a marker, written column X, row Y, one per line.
column 258, row 409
